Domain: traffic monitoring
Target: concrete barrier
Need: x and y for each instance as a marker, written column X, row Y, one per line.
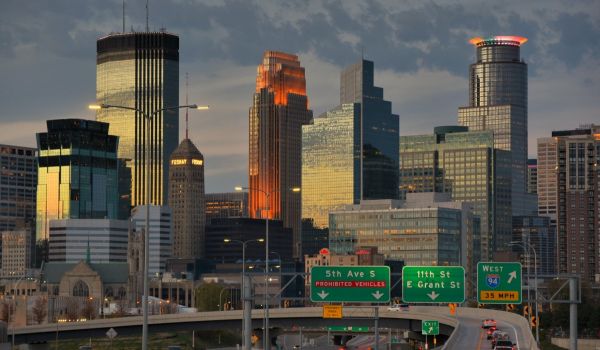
column 582, row 344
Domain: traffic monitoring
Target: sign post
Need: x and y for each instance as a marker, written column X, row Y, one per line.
column 499, row 283
column 332, row 311
column 355, row 284
column 433, row 284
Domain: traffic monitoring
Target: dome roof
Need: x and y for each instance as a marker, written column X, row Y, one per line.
column 186, row 149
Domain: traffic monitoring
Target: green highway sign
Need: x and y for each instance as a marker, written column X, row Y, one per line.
column 499, row 283
column 433, row 284
column 356, row 284
column 430, row 327
column 348, row 329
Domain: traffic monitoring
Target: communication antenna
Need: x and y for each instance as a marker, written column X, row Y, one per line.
column 186, row 102
column 147, row 14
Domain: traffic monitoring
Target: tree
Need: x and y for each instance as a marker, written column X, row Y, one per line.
column 72, row 309
column 206, row 296
column 40, row 309
column 89, row 309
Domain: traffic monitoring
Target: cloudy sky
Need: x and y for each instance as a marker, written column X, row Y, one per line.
column 420, row 49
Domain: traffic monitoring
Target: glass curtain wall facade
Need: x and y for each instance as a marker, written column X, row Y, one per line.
column 331, row 163
column 186, row 199
column 350, row 153
column 535, row 231
column 279, row 109
column 379, row 132
column 498, row 102
column 466, row 165
column 141, row 70
column 418, row 236
column 78, row 173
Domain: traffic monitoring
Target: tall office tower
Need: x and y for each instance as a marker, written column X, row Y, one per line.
column 226, row 205
column 141, row 70
column 161, row 235
column 498, row 102
column 279, row 109
column 379, row 132
column 547, row 179
column 532, row 176
column 568, row 168
column 186, row 199
column 465, row 164
column 78, row 174
column 351, row 152
column 18, row 181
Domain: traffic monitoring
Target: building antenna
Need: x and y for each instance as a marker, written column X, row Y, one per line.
column 186, row 102
column 123, row 16
column 147, row 14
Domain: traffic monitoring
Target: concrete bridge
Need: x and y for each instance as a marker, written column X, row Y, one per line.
column 461, row 331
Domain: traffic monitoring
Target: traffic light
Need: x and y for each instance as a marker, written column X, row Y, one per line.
column 534, row 321
column 526, row 310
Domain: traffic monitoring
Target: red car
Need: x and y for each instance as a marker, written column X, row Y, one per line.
column 487, row 323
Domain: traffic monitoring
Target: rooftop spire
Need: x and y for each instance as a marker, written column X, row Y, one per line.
column 186, row 102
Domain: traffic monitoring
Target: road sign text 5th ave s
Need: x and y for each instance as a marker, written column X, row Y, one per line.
column 358, row 284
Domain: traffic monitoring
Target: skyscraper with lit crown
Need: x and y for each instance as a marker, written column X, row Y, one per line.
column 498, row 102
column 279, row 109
column 141, row 70
column 187, row 201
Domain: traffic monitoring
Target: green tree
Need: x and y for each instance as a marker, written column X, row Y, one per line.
column 207, row 295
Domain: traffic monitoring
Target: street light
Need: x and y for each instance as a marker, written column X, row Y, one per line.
column 268, row 196
column 527, row 246
column 279, row 267
column 148, row 116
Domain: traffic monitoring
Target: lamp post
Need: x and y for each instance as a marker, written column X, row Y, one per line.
column 279, row 266
column 527, row 246
column 243, row 243
column 148, row 116
column 268, row 196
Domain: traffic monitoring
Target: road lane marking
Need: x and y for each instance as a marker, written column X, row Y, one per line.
column 481, row 333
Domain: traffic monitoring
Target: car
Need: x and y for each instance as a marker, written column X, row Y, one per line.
column 399, row 307
column 504, row 344
column 487, row 323
column 490, row 332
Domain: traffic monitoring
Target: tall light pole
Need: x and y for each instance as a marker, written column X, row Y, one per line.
column 243, row 243
column 148, row 117
column 268, row 208
column 527, row 246
column 280, row 266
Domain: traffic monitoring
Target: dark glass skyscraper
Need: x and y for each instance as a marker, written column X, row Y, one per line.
column 141, row 70
column 379, row 131
column 279, row 109
column 498, row 102
column 351, row 152
column 78, row 173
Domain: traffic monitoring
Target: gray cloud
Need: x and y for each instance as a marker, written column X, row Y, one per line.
column 420, row 49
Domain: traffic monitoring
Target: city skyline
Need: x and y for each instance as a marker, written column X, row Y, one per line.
column 422, row 53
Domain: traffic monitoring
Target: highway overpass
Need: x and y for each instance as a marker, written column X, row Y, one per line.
column 462, row 331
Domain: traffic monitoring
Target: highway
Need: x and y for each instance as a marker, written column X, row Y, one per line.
column 464, row 329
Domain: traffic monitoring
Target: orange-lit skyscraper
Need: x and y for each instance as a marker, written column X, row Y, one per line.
column 279, row 109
